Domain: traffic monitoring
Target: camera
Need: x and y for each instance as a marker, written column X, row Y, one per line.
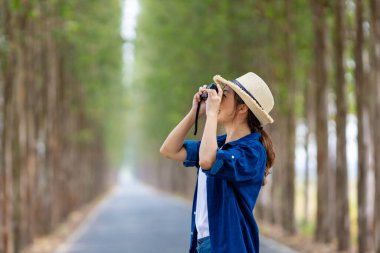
column 210, row 86
column 203, row 97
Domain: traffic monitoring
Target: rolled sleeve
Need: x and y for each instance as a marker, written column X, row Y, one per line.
column 239, row 163
column 192, row 150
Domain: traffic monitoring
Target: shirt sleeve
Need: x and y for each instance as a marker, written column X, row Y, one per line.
column 192, row 150
column 239, row 163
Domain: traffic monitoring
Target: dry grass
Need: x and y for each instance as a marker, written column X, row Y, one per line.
column 302, row 243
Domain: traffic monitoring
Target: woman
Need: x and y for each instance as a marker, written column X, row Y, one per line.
column 231, row 168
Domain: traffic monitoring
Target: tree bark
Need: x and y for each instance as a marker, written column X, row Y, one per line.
column 7, row 177
column 2, row 136
column 289, row 183
column 343, row 218
column 9, row 133
column 375, row 83
column 323, row 230
column 362, row 144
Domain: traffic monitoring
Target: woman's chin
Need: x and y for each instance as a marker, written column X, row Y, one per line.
column 219, row 118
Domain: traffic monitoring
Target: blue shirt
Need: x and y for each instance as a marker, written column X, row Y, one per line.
column 233, row 185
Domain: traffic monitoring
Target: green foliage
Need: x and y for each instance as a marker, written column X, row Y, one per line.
column 93, row 55
column 177, row 51
column 15, row 5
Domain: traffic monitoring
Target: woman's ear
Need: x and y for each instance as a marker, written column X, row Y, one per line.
column 243, row 108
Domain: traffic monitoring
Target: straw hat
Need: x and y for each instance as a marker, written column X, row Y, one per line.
column 254, row 92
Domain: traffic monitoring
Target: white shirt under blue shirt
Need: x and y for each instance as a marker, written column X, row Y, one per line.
column 201, row 213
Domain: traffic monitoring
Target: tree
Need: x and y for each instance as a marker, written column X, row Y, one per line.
column 375, row 83
column 360, row 87
column 60, row 90
column 343, row 218
column 323, row 230
column 289, row 181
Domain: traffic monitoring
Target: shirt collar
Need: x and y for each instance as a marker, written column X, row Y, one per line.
column 252, row 136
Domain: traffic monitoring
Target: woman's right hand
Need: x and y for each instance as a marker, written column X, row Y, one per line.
column 197, row 99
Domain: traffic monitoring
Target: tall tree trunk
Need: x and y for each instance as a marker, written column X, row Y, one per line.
column 277, row 183
column 7, row 177
column 289, row 184
column 375, row 83
column 362, row 144
column 274, row 209
column 2, row 203
column 343, row 218
column 323, row 230
column 9, row 133
column 51, row 122
column 278, row 130
column 2, row 86
column 19, row 156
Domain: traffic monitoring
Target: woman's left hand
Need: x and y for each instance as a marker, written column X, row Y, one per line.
column 213, row 101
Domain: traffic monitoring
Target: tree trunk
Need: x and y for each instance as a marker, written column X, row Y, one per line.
column 375, row 83
column 51, row 123
column 323, row 230
column 362, row 144
column 7, row 177
column 7, row 144
column 2, row 136
column 289, row 184
column 343, row 218
column 278, row 183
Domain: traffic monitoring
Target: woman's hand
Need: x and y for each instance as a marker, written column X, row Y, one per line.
column 213, row 101
column 197, row 99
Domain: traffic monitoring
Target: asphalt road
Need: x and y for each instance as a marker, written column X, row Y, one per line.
column 137, row 218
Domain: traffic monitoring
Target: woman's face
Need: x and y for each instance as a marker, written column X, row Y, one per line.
column 227, row 106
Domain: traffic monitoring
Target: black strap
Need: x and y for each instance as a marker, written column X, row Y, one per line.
column 196, row 117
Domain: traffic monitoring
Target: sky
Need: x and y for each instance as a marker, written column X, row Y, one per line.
column 130, row 11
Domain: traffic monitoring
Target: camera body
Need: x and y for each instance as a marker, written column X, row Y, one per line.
column 210, row 86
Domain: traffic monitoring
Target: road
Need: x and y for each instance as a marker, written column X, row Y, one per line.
column 138, row 218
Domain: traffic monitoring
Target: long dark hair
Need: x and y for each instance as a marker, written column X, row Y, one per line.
column 255, row 126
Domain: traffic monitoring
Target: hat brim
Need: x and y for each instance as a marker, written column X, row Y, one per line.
column 260, row 114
